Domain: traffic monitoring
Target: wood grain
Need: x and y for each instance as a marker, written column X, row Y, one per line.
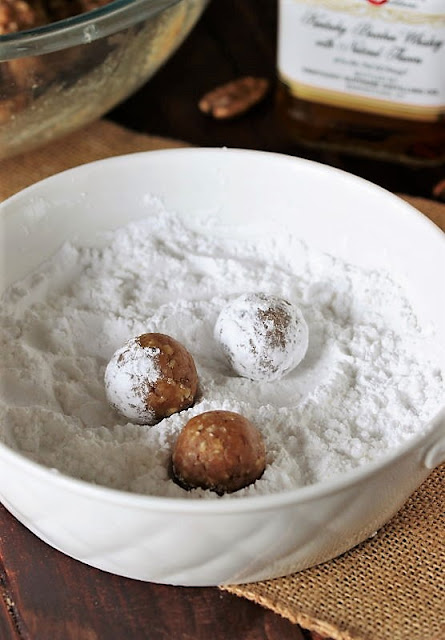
column 49, row 596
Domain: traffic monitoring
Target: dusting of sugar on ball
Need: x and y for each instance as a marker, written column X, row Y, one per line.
column 218, row 450
column 151, row 377
column 263, row 337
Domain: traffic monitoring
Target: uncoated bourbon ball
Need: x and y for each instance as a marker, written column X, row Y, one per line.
column 151, row 377
column 218, row 450
column 263, row 337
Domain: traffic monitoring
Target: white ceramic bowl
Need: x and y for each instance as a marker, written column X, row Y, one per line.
column 205, row 542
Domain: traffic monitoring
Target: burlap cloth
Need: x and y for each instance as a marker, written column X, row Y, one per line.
column 391, row 587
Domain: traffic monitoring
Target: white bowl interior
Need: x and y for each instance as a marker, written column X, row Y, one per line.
column 235, row 193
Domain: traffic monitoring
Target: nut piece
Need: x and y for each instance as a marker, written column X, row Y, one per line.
column 150, row 378
column 234, row 98
column 23, row 78
column 218, row 450
column 18, row 15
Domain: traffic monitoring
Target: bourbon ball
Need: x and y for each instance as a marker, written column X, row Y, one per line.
column 151, row 377
column 218, row 450
column 263, row 337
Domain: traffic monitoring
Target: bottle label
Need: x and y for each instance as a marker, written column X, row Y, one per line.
column 379, row 56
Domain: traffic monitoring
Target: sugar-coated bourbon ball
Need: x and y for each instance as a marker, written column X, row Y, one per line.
column 218, row 450
column 263, row 337
column 151, row 377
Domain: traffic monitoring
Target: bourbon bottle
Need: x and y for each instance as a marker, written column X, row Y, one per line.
column 364, row 76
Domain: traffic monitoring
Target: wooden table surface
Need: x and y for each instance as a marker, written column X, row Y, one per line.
column 48, row 596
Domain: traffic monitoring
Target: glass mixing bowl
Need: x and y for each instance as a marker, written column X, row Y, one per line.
column 58, row 77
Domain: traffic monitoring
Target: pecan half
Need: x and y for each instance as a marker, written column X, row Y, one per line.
column 234, row 98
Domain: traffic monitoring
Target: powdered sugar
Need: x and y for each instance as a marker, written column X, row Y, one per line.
column 263, row 336
column 366, row 384
column 128, row 374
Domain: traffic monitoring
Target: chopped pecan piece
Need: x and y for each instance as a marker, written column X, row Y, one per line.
column 18, row 15
column 234, row 98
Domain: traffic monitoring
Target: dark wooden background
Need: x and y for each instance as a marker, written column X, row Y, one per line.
column 47, row 596
column 235, row 38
